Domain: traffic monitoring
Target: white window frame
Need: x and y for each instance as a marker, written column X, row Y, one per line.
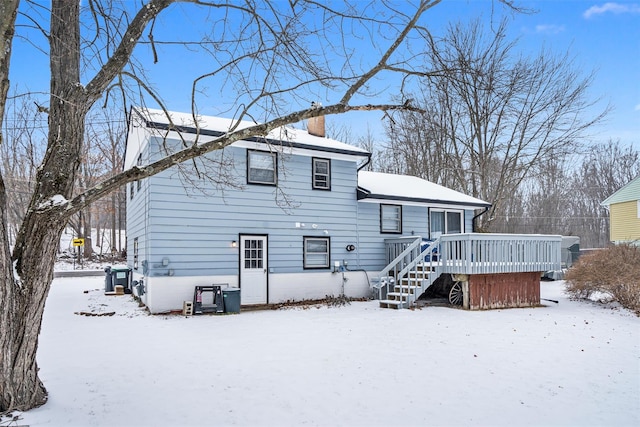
column 385, row 218
column 319, row 184
column 274, row 168
column 446, row 221
column 309, row 255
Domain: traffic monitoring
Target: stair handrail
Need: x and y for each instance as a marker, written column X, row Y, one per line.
column 384, row 273
column 413, row 264
column 409, row 266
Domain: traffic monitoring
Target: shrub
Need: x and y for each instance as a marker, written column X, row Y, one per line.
column 614, row 272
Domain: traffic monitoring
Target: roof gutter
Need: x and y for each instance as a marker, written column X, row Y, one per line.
column 365, row 164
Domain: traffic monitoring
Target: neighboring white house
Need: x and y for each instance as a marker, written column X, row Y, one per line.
column 302, row 221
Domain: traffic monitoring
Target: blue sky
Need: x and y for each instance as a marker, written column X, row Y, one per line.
column 600, row 36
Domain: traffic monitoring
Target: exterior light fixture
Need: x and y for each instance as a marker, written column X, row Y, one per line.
column 350, row 248
column 234, row 244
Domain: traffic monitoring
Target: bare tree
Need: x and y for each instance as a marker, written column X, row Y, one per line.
column 267, row 52
column 491, row 116
column 605, row 168
column 20, row 154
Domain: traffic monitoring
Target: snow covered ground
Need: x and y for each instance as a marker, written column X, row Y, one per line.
column 572, row 363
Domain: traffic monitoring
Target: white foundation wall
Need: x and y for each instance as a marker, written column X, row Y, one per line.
column 164, row 294
column 311, row 286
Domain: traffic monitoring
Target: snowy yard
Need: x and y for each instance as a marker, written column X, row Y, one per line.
column 567, row 364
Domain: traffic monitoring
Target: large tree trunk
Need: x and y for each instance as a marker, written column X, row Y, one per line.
column 34, row 253
column 23, row 293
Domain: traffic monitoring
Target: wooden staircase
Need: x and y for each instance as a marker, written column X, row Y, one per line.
column 408, row 275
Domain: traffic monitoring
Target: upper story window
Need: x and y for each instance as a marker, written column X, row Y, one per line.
column 139, row 163
column 321, row 174
column 391, row 219
column 316, row 252
column 261, row 167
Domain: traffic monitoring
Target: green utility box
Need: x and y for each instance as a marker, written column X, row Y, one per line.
column 231, row 298
column 117, row 276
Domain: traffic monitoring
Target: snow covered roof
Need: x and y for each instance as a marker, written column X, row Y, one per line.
column 384, row 186
column 628, row 193
column 218, row 126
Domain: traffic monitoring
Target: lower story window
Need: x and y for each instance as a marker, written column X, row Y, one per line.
column 391, row 219
column 135, row 253
column 316, row 252
column 445, row 222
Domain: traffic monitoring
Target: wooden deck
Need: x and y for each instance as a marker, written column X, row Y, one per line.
column 415, row 264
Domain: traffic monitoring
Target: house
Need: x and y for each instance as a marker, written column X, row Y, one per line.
column 287, row 217
column 624, row 213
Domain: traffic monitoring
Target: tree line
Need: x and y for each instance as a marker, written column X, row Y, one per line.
column 510, row 129
column 25, row 130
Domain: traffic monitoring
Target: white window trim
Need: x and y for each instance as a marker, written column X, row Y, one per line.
column 446, row 220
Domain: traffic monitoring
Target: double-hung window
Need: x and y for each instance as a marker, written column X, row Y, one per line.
column 261, row 167
column 316, row 252
column 321, row 174
column 391, row 219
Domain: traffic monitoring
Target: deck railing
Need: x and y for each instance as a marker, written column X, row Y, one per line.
column 480, row 253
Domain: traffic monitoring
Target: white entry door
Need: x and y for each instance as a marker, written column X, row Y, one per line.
column 253, row 269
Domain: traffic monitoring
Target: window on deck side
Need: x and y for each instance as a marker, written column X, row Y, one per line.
column 445, row 222
column 391, row 219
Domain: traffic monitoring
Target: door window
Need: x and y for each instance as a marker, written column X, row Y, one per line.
column 253, row 251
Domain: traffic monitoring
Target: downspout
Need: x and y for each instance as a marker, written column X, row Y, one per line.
column 473, row 221
column 365, row 164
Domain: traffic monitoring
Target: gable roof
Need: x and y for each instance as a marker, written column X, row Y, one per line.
column 210, row 126
column 384, row 186
column 628, row 193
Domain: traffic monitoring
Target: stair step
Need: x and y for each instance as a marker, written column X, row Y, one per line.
column 399, row 296
column 388, row 303
column 404, row 290
column 413, row 280
column 396, row 287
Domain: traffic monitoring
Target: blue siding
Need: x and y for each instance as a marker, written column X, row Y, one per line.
column 137, row 220
column 194, row 230
column 468, row 221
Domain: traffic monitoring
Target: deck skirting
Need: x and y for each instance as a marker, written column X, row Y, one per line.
column 504, row 290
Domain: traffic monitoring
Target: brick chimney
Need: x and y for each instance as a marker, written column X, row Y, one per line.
column 315, row 125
